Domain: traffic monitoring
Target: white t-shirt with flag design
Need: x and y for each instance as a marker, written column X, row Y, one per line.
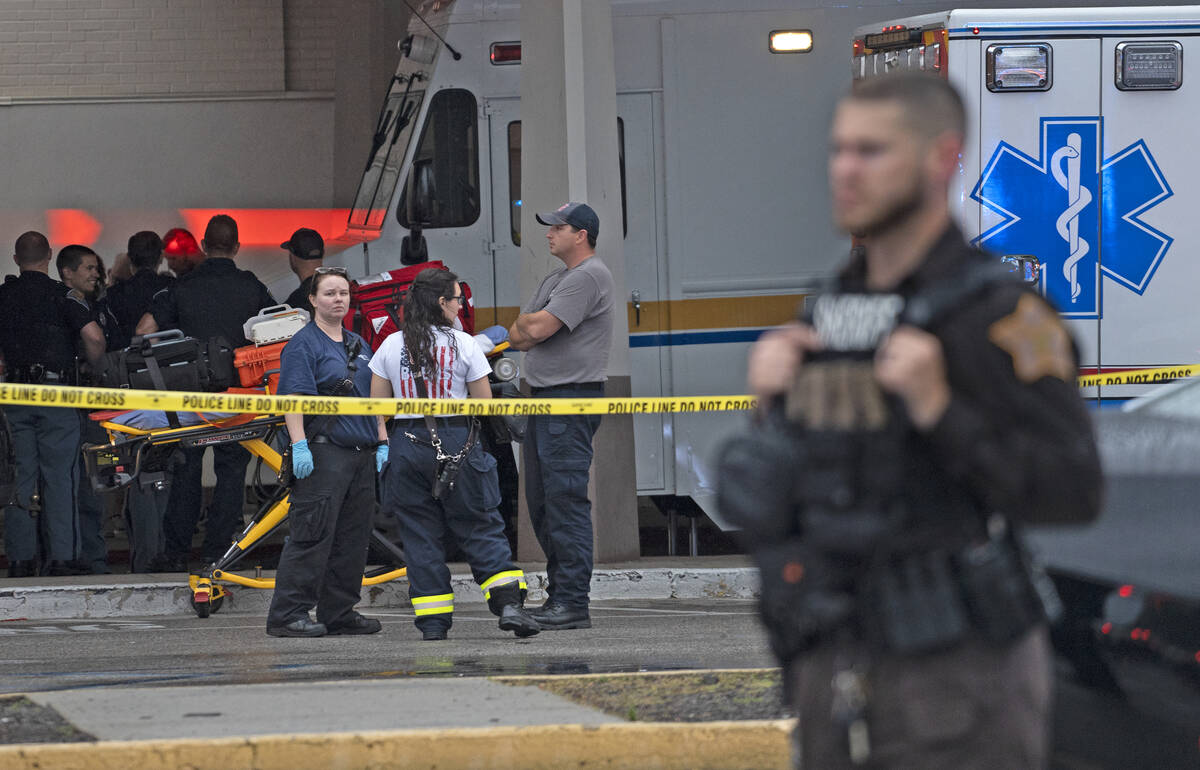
column 460, row 360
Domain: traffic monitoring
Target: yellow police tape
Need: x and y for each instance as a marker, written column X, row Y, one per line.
column 1155, row 376
column 172, row 401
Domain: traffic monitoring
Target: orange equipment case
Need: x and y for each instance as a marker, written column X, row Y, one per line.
column 253, row 363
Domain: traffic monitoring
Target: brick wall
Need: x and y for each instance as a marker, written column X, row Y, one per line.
column 64, row 48
column 310, row 35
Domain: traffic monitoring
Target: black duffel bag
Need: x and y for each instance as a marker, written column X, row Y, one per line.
column 168, row 360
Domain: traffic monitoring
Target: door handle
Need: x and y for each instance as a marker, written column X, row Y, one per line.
column 636, row 296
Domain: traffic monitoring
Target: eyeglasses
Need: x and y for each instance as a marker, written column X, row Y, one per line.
column 331, row 271
column 455, row 298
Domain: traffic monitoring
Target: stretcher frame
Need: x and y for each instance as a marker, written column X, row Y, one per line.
column 254, row 432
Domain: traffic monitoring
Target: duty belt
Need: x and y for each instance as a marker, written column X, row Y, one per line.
column 36, row 374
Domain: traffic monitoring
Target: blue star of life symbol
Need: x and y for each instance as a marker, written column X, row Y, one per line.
column 1076, row 212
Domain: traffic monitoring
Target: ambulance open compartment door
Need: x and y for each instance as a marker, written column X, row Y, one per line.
column 1023, row 134
column 649, row 327
column 648, row 322
column 1151, row 233
column 504, row 139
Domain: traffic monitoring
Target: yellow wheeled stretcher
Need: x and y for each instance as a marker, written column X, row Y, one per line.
column 143, row 456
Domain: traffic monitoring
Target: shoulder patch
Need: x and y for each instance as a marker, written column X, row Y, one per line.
column 1035, row 337
column 77, row 296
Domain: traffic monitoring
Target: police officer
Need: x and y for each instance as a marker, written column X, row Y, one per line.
column 212, row 301
column 438, row 479
column 40, row 328
column 306, row 253
column 566, row 330
column 130, row 299
column 930, row 407
column 82, row 272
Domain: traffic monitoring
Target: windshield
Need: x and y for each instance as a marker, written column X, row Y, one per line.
column 392, row 134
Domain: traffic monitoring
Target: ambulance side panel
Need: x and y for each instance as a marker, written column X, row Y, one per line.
column 1158, row 325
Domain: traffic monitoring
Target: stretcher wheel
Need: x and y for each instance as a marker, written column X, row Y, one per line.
column 205, row 608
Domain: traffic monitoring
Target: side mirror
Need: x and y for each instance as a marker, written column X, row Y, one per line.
column 422, row 193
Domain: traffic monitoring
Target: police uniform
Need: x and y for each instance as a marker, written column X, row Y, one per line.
column 331, row 509
column 299, row 297
column 468, row 511
column 212, row 300
column 129, row 300
column 92, row 550
column 911, row 630
column 39, row 331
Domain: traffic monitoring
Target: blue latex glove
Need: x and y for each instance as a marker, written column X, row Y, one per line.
column 381, row 455
column 496, row 334
column 302, row 459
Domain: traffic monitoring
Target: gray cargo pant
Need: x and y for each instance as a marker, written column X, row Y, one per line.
column 976, row 705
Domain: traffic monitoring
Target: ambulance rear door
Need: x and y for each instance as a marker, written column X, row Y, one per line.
column 1151, row 233
column 1041, row 154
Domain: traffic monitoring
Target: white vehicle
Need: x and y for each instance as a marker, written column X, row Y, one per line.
column 723, row 156
column 1081, row 151
column 726, row 208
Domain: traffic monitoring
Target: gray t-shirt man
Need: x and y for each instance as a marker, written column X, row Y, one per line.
column 580, row 297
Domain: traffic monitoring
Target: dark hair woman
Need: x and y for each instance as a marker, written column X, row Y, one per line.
column 334, row 461
column 450, row 364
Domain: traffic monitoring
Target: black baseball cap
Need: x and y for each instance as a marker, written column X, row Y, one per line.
column 577, row 215
column 305, row 244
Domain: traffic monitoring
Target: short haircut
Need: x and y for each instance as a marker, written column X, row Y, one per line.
column 221, row 234
column 32, row 248
column 930, row 104
column 145, row 250
column 591, row 237
column 69, row 257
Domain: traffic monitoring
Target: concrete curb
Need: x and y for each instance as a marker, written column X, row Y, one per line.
column 123, row 597
column 644, row 746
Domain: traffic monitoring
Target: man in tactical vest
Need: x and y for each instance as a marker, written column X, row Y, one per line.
column 923, row 409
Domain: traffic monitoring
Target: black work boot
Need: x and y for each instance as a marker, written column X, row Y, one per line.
column 508, row 602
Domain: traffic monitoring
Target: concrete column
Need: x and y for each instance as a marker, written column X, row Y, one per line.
column 569, row 152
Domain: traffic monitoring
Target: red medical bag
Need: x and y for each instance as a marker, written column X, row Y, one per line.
column 377, row 302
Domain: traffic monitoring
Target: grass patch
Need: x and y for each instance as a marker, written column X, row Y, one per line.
column 699, row 696
column 23, row 721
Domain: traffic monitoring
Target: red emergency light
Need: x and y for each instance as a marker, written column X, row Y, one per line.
column 506, row 53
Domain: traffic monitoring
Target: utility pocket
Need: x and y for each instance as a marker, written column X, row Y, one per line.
column 568, row 448
column 484, row 483
column 308, row 520
column 917, row 606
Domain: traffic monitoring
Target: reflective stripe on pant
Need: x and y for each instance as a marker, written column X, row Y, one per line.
column 442, row 604
column 468, row 513
column 500, row 579
column 330, row 525
column 45, row 443
column 556, row 458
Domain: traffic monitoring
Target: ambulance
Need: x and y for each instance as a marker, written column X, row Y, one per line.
column 726, row 213
column 723, row 117
column 1081, row 154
